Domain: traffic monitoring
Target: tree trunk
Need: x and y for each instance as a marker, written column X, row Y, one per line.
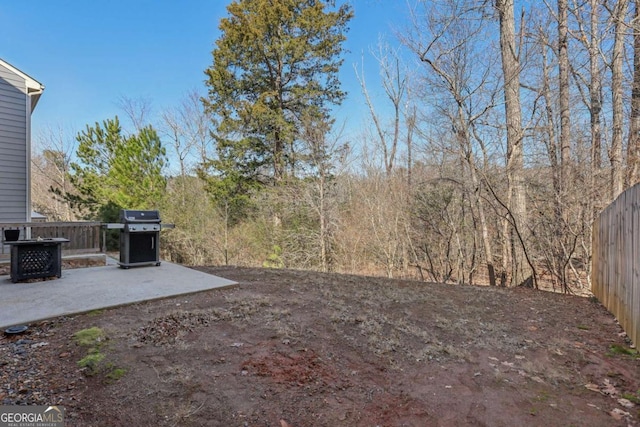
column 520, row 270
column 595, row 90
column 563, row 89
column 633, row 147
column 552, row 148
column 411, row 126
column 324, row 259
column 617, row 61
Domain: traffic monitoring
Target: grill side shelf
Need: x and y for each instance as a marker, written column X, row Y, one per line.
column 113, row 226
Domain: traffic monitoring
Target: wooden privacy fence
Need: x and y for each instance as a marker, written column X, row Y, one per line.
column 615, row 274
column 84, row 236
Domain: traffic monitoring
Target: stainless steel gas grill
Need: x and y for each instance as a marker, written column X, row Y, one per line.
column 139, row 237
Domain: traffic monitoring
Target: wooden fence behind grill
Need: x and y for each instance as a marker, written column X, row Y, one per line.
column 84, row 237
column 615, row 274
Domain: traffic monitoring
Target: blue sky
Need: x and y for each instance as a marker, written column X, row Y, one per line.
column 89, row 54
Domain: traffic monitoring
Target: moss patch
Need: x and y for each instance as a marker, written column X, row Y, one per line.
column 94, row 361
column 116, row 374
column 91, row 362
column 91, row 337
column 617, row 349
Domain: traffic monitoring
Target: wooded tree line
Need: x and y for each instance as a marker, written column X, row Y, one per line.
column 502, row 130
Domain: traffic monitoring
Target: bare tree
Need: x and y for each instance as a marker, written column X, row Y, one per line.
column 587, row 33
column 50, row 174
column 633, row 146
column 521, row 270
column 447, row 43
column 187, row 127
column 595, row 88
column 564, row 95
column 411, row 120
column 617, row 62
column 322, row 150
column 185, row 130
column 379, row 214
column 137, row 110
column 394, row 80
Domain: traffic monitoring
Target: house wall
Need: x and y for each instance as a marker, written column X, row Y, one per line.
column 14, row 147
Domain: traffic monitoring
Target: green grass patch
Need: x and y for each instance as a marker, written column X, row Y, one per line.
column 91, row 337
column 116, row 374
column 632, row 397
column 93, row 313
column 583, row 327
column 91, row 362
column 94, row 362
column 617, row 349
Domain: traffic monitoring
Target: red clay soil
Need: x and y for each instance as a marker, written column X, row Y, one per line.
column 295, row 348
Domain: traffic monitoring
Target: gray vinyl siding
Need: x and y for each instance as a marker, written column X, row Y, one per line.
column 14, row 122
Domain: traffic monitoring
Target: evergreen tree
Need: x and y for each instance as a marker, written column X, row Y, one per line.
column 275, row 62
column 116, row 171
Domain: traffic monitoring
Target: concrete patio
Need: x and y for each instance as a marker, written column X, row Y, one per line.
column 92, row 288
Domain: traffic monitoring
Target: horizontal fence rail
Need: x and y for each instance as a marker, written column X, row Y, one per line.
column 615, row 274
column 84, row 236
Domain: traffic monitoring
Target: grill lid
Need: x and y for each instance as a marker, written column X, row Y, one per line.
column 128, row 216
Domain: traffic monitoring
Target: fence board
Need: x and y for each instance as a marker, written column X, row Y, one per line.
column 634, row 299
column 615, row 273
column 84, row 236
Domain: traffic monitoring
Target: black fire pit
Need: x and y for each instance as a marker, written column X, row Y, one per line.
column 36, row 258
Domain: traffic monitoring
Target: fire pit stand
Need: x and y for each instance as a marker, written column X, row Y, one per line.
column 36, row 258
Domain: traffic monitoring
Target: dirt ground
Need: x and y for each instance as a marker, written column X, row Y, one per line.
column 294, row 348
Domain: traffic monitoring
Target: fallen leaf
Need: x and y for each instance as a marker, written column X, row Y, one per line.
column 283, row 423
column 39, row 344
column 619, row 414
column 609, row 389
column 626, row 403
column 616, row 415
column 592, row 387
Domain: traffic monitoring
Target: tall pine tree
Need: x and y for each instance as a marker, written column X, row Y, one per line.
column 115, row 171
column 275, row 62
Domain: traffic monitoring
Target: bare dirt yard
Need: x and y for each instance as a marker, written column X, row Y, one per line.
column 295, row 348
